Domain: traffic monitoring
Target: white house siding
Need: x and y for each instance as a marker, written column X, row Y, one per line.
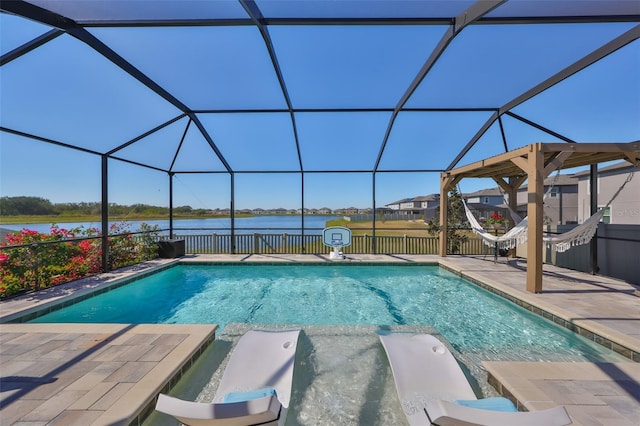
column 485, row 199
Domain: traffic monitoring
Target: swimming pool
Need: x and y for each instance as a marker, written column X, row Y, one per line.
column 476, row 322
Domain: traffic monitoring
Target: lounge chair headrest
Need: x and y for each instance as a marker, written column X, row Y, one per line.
column 493, row 404
column 248, row 395
column 249, row 412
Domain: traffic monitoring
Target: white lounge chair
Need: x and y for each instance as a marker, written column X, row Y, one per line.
column 433, row 389
column 255, row 387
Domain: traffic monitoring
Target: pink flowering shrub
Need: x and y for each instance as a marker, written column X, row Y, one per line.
column 42, row 260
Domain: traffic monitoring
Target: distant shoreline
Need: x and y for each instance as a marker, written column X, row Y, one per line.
column 50, row 219
column 9, row 220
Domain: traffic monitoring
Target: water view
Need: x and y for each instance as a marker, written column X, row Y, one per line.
column 244, row 225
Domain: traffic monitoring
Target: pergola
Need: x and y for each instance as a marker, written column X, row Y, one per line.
column 451, row 59
column 533, row 164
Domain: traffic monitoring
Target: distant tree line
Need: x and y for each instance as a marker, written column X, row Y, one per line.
column 37, row 206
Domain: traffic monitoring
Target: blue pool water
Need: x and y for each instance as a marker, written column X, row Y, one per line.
column 473, row 320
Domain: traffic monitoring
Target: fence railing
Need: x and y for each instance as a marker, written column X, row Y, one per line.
column 286, row 243
column 37, row 265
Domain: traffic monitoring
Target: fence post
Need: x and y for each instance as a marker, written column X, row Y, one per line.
column 284, row 243
column 404, row 239
column 32, row 250
column 256, row 242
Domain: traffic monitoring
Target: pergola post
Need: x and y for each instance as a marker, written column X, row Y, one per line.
column 444, row 214
column 535, row 212
column 593, row 202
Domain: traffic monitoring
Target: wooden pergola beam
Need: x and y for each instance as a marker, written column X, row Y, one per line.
column 578, row 154
column 556, row 162
column 632, row 157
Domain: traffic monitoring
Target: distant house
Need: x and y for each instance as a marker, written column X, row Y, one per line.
column 409, row 206
column 625, row 209
column 491, row 196
column 351, row 210
column 486, row 202
column 395, row 205
column 324, row 210
column 279, row 210
column 414, row 206
column 428, row 201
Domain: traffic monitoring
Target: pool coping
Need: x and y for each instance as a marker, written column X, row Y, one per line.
column 28, row 306
column 591, row 330
column 114, row 374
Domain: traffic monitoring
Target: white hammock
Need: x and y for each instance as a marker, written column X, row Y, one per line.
column 579, row 235
column 517, row 235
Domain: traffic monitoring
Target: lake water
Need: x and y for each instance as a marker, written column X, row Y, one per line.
column 244, row 225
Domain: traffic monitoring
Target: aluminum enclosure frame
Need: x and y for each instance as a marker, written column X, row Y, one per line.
column 475, row 14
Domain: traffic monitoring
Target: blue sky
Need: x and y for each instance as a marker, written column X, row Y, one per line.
column 66, row 92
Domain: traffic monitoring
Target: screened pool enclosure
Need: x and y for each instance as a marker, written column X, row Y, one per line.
column 300, row 107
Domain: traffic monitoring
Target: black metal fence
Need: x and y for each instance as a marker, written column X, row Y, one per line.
column 291, row 243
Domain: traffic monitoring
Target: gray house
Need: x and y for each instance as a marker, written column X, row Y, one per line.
column 491, row 196
column 625, row 208
column 416, row 205
column 561, row 202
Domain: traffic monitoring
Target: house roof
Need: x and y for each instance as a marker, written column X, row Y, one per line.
column 485, row 207
column 621, row 166
column 430, row 197
column 489, row 192
column 403, row 200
